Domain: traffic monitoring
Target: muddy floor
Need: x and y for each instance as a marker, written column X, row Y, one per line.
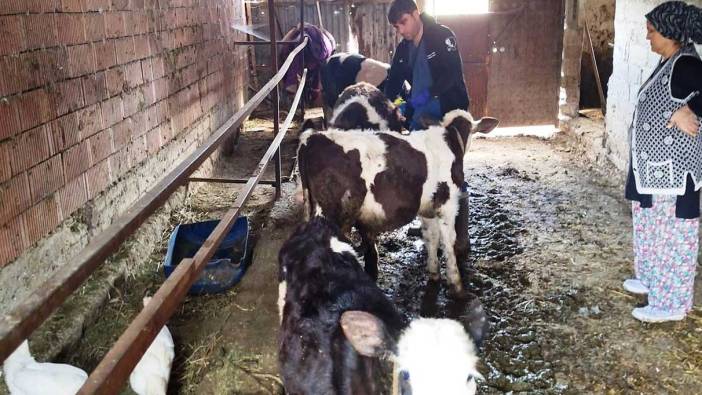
column 551, row 244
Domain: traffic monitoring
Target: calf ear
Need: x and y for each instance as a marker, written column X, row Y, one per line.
column 485, row 125
column 365, row 332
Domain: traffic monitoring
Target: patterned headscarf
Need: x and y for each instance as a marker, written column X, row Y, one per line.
column 677, row 21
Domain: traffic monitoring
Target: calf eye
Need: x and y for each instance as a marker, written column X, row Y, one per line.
column 470, row 378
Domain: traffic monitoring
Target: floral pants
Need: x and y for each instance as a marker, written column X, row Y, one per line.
column 665, row 253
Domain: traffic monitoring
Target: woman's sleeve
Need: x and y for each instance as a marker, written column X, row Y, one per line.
column 687, row 78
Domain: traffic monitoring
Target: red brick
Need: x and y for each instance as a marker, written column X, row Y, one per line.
column 73, row 195
column 111, row 111
column 14, row 198
column 34, row 108
column 71, row 5
column 97, row 5
column 140, row 124
column 11, row 240
column 89, row 120
column 71, row 28
column 122, row 133
column 69, row 96
column 121, row 5
column 8, row 7
column 94, row 26
column 119, row 163
column 45, row 178
column 29, row 148
column 149, row 94
column 52, row 64
column 141, row 46
column 39, row 6
column 64, row 132
column 114, row 24
column 41, row 219
column 81, row 60
column 124, row 48
column 166, row 133
column 41, row 30
column 9, row 121
column 153, row 141
column 105, row 55
column 12, row 81
column 115, row 81
column 5, row 158
column 98, row 178
column 76, row 160
column 133, row 101
column 147, row 70
column 12, row 38
column 94, row 88
column 137, row 151
column 132, row 75
column 101, row 145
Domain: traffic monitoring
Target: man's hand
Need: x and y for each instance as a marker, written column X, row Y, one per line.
column 685, row 120
column 420, row 100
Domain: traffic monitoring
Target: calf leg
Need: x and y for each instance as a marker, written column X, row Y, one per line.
column 370, row 252
column 431, row 234
column 448, row 242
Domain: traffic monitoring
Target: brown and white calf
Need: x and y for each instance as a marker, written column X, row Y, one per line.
column 363, row 106
column 337, row 326
column 380, row 181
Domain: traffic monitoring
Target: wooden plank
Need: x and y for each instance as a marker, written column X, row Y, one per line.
column 19, row 323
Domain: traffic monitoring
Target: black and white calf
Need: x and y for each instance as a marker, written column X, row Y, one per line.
column 363, row 106
column 344, row 69
column 337, row 325
column 380, row 181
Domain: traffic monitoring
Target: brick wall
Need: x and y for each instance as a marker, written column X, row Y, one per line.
column 92, row 90
column 633, row 63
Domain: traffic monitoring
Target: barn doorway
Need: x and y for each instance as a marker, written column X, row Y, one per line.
column 511, row 68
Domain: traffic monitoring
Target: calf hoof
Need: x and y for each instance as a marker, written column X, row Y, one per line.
column 457, row 293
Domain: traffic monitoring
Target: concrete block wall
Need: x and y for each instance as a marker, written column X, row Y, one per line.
column 633, row 63
column 98, row 100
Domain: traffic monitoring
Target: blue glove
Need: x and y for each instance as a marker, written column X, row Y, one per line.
column 420, row 99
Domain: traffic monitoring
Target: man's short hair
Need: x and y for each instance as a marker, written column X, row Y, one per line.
column 398, row 8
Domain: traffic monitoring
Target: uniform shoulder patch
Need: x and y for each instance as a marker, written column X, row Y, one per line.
column 451, row 43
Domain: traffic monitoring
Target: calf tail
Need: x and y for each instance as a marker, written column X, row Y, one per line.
column 304, row 181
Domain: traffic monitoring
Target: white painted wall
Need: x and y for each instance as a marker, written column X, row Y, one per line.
column 633, row 63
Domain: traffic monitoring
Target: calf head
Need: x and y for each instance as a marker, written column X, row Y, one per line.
column 431, row 356
column 459, row 125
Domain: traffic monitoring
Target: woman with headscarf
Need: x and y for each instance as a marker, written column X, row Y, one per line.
column 665, row 169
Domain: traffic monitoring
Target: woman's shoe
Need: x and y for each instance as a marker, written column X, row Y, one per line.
column 652, row 314
column 635, row 286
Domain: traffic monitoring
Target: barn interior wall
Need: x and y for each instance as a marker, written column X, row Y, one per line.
column 633, row 63
column 98, row 100
column 599, row 15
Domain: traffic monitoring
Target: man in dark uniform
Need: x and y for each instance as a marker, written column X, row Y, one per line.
column 429, row 60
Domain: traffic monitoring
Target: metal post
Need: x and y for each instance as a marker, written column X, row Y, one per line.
column 302, row 55
column 276, row 97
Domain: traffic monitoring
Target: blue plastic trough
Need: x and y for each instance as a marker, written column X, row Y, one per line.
column 225, row 268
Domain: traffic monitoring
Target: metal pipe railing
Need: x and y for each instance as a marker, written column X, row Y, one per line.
column 19, row 323
column 115, row 367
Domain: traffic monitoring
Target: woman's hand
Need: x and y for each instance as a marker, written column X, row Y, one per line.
column 685, row 120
